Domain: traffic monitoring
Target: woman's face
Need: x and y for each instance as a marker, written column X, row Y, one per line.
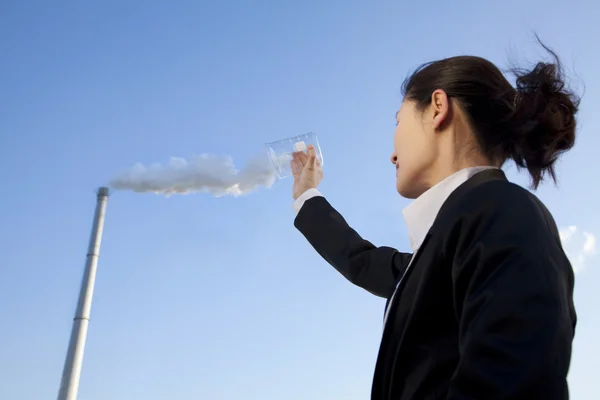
column 415, row 150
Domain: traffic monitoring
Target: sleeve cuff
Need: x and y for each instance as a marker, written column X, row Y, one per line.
column 309, row 194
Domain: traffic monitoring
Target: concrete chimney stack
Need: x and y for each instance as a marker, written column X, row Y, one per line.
column 72, row 369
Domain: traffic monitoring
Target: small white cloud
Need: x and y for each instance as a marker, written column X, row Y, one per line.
column 580, row 247
column 589, row 247
column 567, row 233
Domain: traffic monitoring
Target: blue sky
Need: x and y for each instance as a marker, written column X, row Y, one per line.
column 199, row 297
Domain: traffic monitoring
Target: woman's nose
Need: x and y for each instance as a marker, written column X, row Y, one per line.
column 394, row 159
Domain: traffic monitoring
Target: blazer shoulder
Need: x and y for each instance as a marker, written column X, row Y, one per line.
column 498, row 190
column 500, row 199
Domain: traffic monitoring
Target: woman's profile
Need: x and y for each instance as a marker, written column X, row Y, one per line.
column 483, row 306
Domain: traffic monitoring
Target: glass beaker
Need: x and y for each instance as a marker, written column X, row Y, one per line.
column 280, row 152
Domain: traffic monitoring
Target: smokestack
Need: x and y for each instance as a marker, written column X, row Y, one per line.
column 72, row 369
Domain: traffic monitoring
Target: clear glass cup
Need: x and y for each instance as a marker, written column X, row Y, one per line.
column 280, row 152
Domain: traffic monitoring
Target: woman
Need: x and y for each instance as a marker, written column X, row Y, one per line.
column 483, row 308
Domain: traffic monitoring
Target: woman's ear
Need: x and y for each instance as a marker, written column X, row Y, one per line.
column 440, row 106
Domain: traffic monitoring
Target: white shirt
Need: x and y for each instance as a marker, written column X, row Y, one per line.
column 421, row 213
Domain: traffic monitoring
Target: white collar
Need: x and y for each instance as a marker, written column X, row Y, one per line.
column 421, row 213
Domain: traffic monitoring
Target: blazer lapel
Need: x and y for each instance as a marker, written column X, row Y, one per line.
column 402, row 282
column 475, row 180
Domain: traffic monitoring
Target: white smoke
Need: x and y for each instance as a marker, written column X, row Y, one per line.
column 208, row 173
column 579, row 246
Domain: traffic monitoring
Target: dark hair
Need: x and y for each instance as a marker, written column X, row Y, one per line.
column 532, row 124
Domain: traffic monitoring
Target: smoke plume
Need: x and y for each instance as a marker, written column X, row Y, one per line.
column 208, row 173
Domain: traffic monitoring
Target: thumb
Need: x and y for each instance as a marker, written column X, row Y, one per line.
column 312, row 157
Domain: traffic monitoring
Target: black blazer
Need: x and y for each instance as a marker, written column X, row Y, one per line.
column 485, row 310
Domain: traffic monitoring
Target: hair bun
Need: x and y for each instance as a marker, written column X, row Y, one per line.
column 545, row 118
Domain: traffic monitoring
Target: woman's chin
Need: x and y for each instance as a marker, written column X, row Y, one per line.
column 407, row 189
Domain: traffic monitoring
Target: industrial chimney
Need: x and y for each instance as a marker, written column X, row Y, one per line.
column 69, row 384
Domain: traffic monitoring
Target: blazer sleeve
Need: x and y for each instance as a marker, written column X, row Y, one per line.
column 513, row 297
column 375, row 269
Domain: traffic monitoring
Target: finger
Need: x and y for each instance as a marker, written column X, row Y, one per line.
column 296, row 159
column 296, row 171
column 301, row 157
column 295, row 165
column 311, row 162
